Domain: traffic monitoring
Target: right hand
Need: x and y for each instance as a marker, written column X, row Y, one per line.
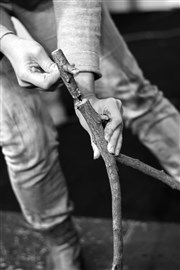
column 32, row 65
column 110, row 110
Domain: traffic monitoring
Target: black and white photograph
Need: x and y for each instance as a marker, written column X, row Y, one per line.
column 90, row 134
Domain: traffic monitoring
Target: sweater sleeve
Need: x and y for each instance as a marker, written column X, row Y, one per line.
column 78, row 32
column 6, row 25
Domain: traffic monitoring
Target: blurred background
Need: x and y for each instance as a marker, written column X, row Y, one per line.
column 151, row 29
column 119, row 6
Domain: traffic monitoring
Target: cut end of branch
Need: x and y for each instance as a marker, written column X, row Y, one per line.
column 79, row 103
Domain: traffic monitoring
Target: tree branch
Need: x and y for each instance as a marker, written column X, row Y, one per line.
column 146, row 169
column 94, row 122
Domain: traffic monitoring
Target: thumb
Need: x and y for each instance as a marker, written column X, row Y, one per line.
column 41, row 79
column 45, row 62
column 96, row 153
column 50, row 70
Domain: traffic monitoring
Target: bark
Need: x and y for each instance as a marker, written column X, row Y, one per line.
column 146, row 169
column 94, row 122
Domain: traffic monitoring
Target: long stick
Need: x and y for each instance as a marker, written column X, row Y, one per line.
column 94, row 122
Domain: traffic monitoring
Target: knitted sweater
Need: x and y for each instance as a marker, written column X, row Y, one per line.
column 78, row 28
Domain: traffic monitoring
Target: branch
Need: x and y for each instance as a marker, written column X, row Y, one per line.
column 146, row 169
column 94, row 122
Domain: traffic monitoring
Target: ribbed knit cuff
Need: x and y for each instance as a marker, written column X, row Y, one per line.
column 86, row 61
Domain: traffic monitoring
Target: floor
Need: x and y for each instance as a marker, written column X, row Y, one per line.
column 147, row 245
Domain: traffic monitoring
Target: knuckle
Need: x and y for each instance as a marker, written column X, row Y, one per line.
column 37, row 50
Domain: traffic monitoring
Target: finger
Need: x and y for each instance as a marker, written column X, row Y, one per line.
column 36, row 79
column 58, row 83
column 25, row 84
column 71, row 69
column 113, row 141
column 50, row 72
column 40, row 79
column 51, row 77
column 96, row 153
column 115, row 120
column 118, row 145
column 111, row 126
column 45, row 62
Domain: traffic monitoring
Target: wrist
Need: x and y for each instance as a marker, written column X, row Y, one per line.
column 85, row 81
column 7, row 42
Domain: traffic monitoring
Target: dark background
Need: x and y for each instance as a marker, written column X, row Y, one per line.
column 154, row 39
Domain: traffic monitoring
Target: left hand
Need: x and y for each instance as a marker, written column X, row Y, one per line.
column 31, row 63
column 109, row 109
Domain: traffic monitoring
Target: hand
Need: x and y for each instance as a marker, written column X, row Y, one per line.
column 109, row 109
column 31, row 63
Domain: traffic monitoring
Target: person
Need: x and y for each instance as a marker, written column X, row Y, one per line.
column 106, row 73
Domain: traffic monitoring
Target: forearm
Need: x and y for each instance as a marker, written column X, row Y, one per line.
column 78, row 32
column 6, row 25
column 85, row 81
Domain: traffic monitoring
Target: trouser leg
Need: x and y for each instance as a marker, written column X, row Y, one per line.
column 29, row 144
column 146, row 111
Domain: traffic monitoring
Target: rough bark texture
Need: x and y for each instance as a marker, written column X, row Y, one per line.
column 68, row 79
column 94, row 122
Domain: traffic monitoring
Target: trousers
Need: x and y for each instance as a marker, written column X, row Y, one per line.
column 29, row 137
